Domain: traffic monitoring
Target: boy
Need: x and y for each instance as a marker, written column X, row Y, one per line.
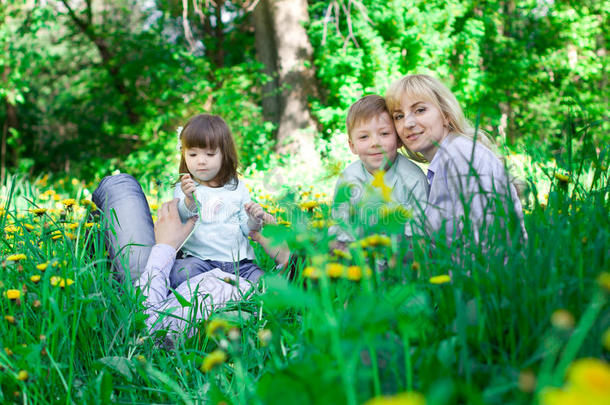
column 372, row 136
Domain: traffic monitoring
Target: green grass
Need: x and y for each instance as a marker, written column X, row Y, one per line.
column 325, row 339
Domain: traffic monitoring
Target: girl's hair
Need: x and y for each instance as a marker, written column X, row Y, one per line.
column 210, row 131
column 430, row 89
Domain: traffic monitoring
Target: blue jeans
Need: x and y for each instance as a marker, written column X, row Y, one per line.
column 130, row 235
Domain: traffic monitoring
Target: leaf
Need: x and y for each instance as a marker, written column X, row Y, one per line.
column 119, row 364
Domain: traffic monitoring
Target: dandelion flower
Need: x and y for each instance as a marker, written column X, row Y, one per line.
column 13, row 294
column 354, row 273
column 334, row 270
column 8, row 351
column 61, row 282
column 342, row 254
column 562, row 319
column 309, row 205
column 22, row 375
column 216, row 325
column 442, row 279
column 216, row 358
column 563, row 178
column 69, row 203
column 35, row 278
column 405, row 398
column 10, row 229
column 72, row 226
column 606, row 339
column 379, row 182
column 38, row 211
column 42, row 266
column 591, row 376
column 604, row 281
column 264, row 335
column 311, row 272
column 16, row 257
column 9, row 318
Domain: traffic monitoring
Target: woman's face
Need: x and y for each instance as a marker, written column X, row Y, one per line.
column 421, row 125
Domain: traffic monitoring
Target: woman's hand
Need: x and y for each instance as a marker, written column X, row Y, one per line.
column 187, row 184
column 169, row 229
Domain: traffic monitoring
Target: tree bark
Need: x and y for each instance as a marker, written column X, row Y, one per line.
column 284, row 47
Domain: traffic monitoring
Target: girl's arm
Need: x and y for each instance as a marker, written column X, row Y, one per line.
column 184, row 211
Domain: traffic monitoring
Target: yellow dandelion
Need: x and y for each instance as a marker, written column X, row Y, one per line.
column 10, row 229
column 35, row 278
column 9, row 318
column 318, row 224
column 591, row 376
column 69, row 203
column 375, row 240
column 379, row 182
column 56, row 236
column 88, row 204
column 405, row 398
column 38, row 211
column 8, row 351
column 56, row 197
column 61, row 282
column 442, row 279
column 309, row 205
column 216, row 358
column 342, row 254
column 562, row 319
column 264, row 336
column 16, row 257
column 90, row 224
column 335, row 270
column 284, row 222
column 22, row 375
column 311, row 272
column 415, row 266
column 563, row 178
column 604, row 281
column 354, row 273
column 216, row 325
column 72, row 226
column 12, row 294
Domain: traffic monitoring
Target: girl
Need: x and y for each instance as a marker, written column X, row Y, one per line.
column 466, row 174
column 209, row 188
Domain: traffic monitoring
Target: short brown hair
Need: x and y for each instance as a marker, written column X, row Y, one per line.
column 210, row 131
column 363, row 110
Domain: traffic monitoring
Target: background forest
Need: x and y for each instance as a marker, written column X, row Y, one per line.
column 88, row 87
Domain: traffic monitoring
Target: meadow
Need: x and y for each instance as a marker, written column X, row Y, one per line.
column 388, row 322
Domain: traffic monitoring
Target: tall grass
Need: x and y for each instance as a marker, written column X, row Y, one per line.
column 346, row 329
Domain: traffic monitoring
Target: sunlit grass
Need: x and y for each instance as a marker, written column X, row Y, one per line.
column 451, row 325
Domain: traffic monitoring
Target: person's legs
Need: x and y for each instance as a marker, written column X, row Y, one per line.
column 130, row 231
column 246, row 269
column 188, row 267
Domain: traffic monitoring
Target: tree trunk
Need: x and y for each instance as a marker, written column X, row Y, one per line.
column 283, row 46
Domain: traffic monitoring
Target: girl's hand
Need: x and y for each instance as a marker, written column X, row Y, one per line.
column 255, row 211
column 187, row 184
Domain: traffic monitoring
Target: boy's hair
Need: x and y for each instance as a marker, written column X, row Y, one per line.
column 432, row 90
column 363, row 110
column 210, row 131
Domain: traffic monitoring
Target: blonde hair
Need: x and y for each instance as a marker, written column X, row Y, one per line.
column 363, row 110
column 431, row 89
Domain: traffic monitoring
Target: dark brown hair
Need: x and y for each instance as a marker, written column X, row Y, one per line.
column 211, row 131
column 363, row 110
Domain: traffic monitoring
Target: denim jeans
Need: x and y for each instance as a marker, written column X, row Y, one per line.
column 130, row 235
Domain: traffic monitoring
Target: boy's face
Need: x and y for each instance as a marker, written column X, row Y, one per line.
column 375, row 142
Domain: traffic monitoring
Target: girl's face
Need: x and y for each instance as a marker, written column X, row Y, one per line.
column 203, row 164
column 421, row 125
